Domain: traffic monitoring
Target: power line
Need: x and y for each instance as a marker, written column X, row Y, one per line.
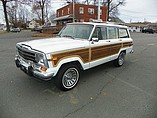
column 131, row 11
column 138, row 16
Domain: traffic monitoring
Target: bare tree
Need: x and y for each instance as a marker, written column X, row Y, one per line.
column 40, row 7
column 88, row 2
column 76, row 1
column 11, row 11
column 23, row 15
column 4, row 3
column 6, row 8
column 113, row 6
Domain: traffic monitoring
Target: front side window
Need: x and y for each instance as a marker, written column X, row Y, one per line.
column 123, row 33
column 100, row 33
column 58, row 13
column 100, row 11
column 62, row 12
column 112, row 33
column 97, row 33
column 68, row 10
column 76, row 31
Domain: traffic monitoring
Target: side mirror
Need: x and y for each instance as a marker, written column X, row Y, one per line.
column 95, row 39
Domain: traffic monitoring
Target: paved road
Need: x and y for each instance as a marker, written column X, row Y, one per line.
column 103, row 92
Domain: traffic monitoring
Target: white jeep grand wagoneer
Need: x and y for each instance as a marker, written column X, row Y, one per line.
column 78, row 46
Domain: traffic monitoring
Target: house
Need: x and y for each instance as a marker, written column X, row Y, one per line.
column 153, row 26
column 34, row 23
column 82, row 13
column 50, row 23
column 137, row 27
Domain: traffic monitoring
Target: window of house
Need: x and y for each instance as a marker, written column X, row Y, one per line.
column 100, row 11
column 68, row 10
column 123, row 33
column 90, row 11
column 58, row 13
column 112, row 33
column 81, row 10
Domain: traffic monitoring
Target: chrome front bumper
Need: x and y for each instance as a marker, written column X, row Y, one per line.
column 31, row 70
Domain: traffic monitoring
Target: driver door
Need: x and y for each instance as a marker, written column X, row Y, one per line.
column 99, row 47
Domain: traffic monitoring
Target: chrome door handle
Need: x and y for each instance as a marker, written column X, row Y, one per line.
column 108, row 41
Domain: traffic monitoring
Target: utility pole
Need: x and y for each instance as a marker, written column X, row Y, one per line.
column 98, row 9
column 73, row 10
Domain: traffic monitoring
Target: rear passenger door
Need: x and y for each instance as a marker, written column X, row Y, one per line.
column 126, row 39
column 115, row 42
column 123, row 34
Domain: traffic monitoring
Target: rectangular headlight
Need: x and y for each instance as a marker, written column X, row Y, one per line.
column 41, row 59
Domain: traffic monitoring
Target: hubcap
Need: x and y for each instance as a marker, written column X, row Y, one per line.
column 121, row 59
column 70, row 78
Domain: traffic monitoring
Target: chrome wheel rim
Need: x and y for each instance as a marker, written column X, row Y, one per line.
column 70, row 78
column 121, row 59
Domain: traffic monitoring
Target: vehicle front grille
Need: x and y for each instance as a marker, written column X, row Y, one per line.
column 26, row 54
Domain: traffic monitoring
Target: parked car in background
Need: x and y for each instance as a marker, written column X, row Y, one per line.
column 38, row 29
column 15, row 29
column 149, row 30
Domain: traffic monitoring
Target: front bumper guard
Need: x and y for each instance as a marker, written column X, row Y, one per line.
column 28, row 69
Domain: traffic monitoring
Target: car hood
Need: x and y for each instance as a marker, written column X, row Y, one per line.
column 57, row 44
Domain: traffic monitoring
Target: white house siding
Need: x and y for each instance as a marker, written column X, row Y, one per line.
column 33, row 24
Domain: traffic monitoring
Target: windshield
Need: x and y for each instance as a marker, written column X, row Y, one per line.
column 76, row 31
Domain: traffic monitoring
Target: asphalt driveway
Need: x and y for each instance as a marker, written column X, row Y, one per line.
column 103, row 92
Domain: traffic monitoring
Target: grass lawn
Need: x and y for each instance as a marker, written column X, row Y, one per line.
column 43, row 35
column 3, row 32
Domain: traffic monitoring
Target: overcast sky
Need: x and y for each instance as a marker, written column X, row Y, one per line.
column 139, row 11
column 133, row 11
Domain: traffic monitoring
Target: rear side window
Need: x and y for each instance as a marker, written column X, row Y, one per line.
column 104, row 33
column 123, row 33
column 112, row 33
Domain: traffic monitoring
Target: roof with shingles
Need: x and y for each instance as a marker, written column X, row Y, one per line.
column 153, row 24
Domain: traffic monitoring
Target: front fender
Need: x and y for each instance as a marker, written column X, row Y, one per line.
column 66, row 60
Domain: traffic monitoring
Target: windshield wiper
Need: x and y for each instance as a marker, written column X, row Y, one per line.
column 68, row 36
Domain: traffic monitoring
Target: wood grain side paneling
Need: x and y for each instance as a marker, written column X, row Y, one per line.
column 91, row 53
column 104, row 51
column 83, row 54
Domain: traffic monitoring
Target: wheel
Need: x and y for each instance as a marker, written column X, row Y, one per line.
column 120, row 60
column 67, row 77
column 41, row 31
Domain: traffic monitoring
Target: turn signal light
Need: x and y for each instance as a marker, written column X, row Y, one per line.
column 53, row 59
column 43, row 68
